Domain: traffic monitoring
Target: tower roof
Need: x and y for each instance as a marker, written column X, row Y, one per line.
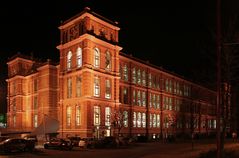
column 88, row 10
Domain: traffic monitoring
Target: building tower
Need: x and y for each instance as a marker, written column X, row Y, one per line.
column 89, row 75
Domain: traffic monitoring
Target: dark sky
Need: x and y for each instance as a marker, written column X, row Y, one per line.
column 169, row 33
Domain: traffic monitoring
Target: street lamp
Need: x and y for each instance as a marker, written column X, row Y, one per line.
column 218, row 49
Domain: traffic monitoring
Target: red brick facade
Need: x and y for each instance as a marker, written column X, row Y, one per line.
column 97, row 90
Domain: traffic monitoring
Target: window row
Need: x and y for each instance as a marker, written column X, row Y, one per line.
column 78, row 87
column 140, row 77
column 78, row 59
column 195, row 123
column 96, row 61
column 69, row 113
column 97, row 87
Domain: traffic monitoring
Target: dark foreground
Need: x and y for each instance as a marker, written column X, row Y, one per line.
column 138, row 150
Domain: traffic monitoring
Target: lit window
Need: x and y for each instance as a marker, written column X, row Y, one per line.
column 150, row 120
column 178, row 88
column 125, row 118
column 158, row 101
column 153, row 81
column 158, row 120
column 78, row 118
column 96, row 115
column 69, row 87
column 154, row 101
column 134, row 97
column 108, row 61
column 143, row 120
column 150, row 80
column 107, row 116
column 97, row 87
column 107, row 89
column 78, row 86
column 214, row 124
column 69, row 59
column 143, row 99
column 166, row 85
column 14, row 120
column 79, row 57
column 158, row 83
column 97, row 57
column 150, row 100
column 125, row 73
column 154, row 120
column 68, row 116
column 165, row 100
column 143, row 78
column 139, row 98
column 139, row 120
column 139, row 76
column 125, row 92
column 170, row 86
column 170, row 103
column 35, row 119
column 134, row 75
column 134, row 119
column 175, row 87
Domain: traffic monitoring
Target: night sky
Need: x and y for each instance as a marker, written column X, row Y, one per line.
column 177, row 35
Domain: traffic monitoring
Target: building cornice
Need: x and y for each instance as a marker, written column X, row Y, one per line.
column 89, row 37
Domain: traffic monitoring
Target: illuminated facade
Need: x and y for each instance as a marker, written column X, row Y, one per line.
column 96, row 90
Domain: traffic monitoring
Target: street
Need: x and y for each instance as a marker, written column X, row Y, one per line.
column 139, row 150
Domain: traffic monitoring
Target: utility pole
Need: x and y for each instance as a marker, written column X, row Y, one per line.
column 218, row 51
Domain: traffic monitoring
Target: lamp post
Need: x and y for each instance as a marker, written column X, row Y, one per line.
column 218, row 51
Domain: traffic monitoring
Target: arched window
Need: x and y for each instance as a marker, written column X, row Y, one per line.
column 108, row 60
column 69, row 59
column 79, row 57
column 97, row 57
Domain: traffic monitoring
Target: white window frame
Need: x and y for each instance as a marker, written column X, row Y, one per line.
column 96, row 86
column 96, row 115
column 78, row 115
column 69, row 60
column 96, row 58
column 79, row 57
column 68, row 115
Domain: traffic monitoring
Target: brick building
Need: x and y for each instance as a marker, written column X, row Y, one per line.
column 97, row 90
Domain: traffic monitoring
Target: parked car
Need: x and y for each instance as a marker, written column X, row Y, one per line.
column 59, row 143
column 32, row 138
column 2, row 138
column 16, row 144
column 88, row 142
column 75, row 140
